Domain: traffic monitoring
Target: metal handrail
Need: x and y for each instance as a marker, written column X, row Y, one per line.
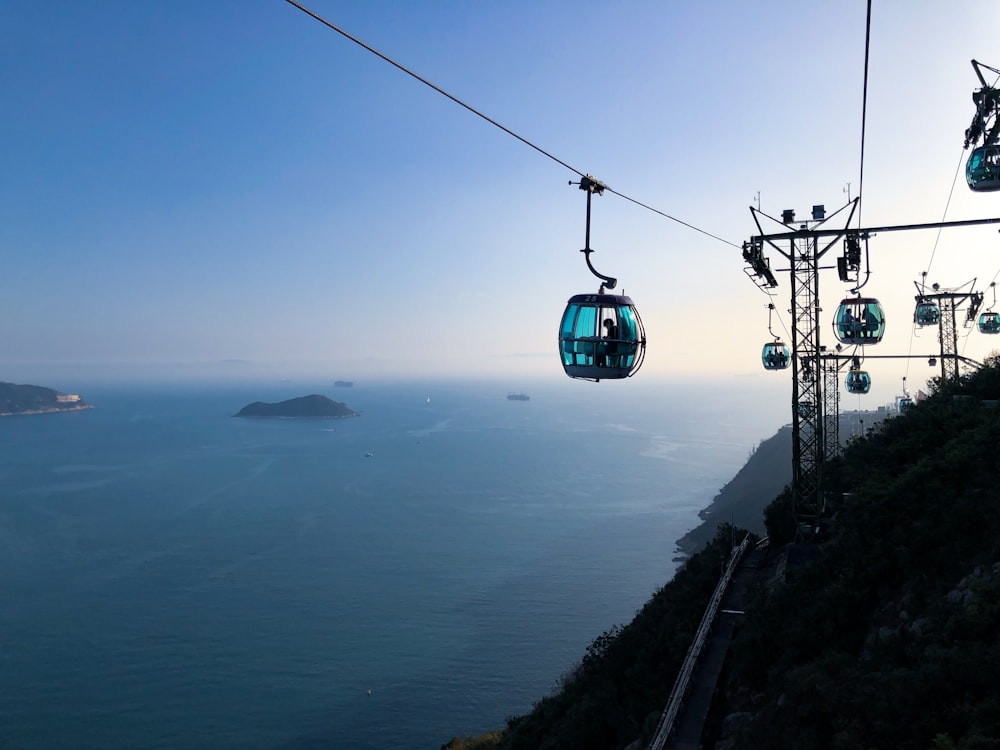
column 681, row 684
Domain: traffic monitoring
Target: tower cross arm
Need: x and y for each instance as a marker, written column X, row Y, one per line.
column 870, row 231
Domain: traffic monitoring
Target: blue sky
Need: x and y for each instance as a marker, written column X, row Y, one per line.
column 190, row 183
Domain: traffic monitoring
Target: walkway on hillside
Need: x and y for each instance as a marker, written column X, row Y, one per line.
column 691, row 721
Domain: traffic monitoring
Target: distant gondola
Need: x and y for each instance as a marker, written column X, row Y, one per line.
column 927, row 314
column 858, row 381
column 989, row 322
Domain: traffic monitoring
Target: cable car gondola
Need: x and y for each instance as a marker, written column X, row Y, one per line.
column 904, row 403
column 982, row 170
column 859, row 321
column 858, row 381
column 989, row 322
column 775, row 355
column 601, row 336
column 927, row 313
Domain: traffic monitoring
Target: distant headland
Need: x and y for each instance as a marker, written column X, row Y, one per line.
column 304, row 407
column 343, row 384
column 35, row 399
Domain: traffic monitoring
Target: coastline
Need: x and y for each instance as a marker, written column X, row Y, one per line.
column 52, row 410
column 304, row 416
column 743, row 499
column 763, row 477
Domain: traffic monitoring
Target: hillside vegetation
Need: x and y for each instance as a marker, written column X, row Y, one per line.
column 32, row 399
column 302, row 407
column 887, row 638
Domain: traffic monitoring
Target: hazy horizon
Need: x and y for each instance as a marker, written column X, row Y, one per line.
column 194, row 183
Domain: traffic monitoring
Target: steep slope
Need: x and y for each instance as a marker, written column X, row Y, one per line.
column 889, row 637
column 742, row 501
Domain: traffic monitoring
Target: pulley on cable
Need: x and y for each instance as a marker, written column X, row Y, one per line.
column 601, row 335
column 982, row 170
column 775, row 355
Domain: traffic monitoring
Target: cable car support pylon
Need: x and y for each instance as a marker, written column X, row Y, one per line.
column 802, row 249
column 804, row 244
column 949, row 301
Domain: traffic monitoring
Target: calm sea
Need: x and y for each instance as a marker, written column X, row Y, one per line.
column 172, row 577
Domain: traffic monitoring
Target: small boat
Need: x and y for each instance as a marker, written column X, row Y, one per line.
column 369, row 455
column 518, row 397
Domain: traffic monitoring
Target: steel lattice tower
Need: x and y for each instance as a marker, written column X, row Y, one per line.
column 831, row 406
column 807, row 401
column 949, row 340
column 948, row 303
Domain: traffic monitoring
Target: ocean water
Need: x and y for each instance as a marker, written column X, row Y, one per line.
column 172, row 577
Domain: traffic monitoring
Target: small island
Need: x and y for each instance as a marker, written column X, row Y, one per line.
column 304, row 407
column 35, row 399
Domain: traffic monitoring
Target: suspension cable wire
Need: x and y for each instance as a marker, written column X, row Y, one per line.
column 937, row 238
column 909, row 351
column 424, row 81
column 861, row 168
column 673, row 218
column 777, row 314
column 788, row 335
column 772, row 308
column 965, row 339
column 490, row 120
column 992, row 282
column 864, row 109
column 944, row 215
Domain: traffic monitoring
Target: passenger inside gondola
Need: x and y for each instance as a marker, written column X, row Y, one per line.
column 869, row 323
column 608, row 356
column 859, row 321
column 851, row 325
